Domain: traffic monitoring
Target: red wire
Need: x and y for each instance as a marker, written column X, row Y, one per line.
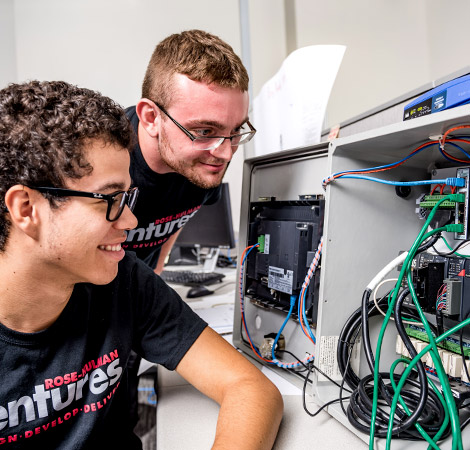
column 386, row 168
column 444, row 138
column 416, row 150
column 301, row 297
column 243, row 311
column 460, row 127
column 301, row 318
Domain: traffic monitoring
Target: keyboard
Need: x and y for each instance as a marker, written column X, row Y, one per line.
column 190, row 278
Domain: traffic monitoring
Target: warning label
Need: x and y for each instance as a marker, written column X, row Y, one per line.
column 327, row 361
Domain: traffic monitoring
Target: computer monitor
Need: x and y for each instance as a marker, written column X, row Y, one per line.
column 211, row 228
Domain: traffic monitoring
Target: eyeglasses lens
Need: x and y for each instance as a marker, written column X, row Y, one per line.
column 117, row 206
column 134, row 193
column 202, row 143
column 120, row 201
column 206, row 143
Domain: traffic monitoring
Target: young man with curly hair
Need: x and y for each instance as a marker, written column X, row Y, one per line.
column 73, row 304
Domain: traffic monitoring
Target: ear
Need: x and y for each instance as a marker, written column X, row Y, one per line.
column 149, row 116
column 22, row 203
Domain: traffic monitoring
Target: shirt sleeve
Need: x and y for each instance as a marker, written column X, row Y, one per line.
column 165, row 327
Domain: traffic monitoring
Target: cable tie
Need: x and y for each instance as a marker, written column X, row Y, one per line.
column 441, row 143
column 349, row 344
column 327, row 181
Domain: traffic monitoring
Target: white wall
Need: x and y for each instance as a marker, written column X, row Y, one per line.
column 387, row 50
column 268, row 40
column 106, row 44
column 393, row 47
column 7, row 42
column 448, row 35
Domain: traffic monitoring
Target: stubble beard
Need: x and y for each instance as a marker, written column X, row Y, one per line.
column 189, row 171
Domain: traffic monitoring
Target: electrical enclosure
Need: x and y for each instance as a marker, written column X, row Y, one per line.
column 287, row 234
column 366, row 225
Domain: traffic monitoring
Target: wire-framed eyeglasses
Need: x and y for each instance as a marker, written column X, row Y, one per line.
column 212, row 142
column 116, row 201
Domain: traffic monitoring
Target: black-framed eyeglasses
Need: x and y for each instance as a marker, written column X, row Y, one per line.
column 116, row 201
column 212, row 142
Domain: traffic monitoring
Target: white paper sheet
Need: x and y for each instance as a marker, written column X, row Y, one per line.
column 290, row 108
column 218, row 316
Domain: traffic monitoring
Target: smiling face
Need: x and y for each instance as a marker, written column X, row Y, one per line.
column 203, row 109
column 78, row 243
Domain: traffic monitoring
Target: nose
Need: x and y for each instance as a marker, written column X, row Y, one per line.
column 127, row 220
column 224, row 151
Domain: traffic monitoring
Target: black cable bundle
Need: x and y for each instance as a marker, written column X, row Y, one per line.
column 424, row 404
column 430, row 418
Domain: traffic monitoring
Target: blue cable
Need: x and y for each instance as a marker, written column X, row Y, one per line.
column 386, row 165
column 152, row 393
column 280, row 364
column 292, row 304
column 304, row 315
column 391, row 165
column 230, row 258
column 458, row 146
column 460, row 182
column 300, row 314
column 248, row 252
column 312, row 268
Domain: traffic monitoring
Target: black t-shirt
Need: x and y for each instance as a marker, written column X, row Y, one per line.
column 166, row 202
column 65, row 387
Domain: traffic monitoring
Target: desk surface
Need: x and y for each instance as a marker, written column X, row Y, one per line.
column 185, row 415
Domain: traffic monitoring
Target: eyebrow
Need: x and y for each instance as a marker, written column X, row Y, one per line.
column 111, row 187
column 212, row 123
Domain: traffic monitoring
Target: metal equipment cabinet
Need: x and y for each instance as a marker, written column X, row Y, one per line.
column 366, row 225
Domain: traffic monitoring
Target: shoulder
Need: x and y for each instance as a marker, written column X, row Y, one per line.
column 132, row 267
column 131, row 112
column 133, row 118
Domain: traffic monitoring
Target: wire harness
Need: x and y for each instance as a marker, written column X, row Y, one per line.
column 407, row 405
column 301, row 312
column 440, row 143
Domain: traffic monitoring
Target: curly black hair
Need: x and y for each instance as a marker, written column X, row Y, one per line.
column 44, row 129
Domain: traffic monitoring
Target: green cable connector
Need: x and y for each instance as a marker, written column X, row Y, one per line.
column 455, row 228
column 460, row 198
column 261, row 243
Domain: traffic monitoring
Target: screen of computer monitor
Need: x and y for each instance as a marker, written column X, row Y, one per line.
column 211, row 227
